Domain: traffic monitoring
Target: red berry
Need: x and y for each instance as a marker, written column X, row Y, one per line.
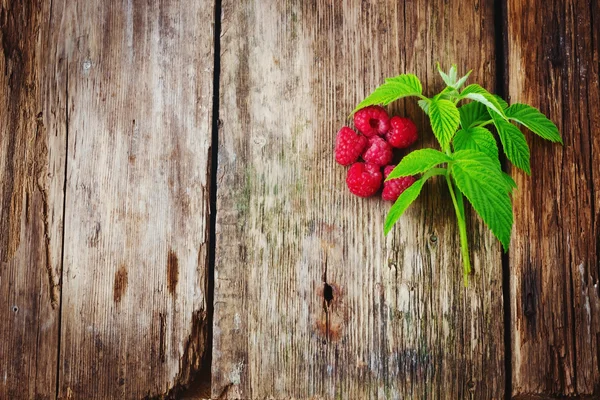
column 348, row 146
column 378, row 151
column 403, row 133
column 372, row 120
column 393, row 188
column 364, row 180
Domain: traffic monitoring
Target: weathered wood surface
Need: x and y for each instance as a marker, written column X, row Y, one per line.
column 398, row 323
column 553, row 55
column 32, row 151
column 119, row 95
column 139, row 93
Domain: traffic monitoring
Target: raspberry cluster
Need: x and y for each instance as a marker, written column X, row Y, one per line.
column 378, row 136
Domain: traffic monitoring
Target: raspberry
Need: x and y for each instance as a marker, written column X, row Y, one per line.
column 378, row 152
column 348, row 146
column 393, row 188
column 372, row 120
column 364, row 180
column 403, row 133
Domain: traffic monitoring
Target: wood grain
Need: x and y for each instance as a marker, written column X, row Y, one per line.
column 553, row 57
column 32, row 154
column 139, row 89
column 311, row 300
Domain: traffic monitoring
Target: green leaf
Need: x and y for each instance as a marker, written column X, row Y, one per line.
column 501, row 101
column 424, row 104
column 444, row 118
column 485, row 187
column 405, row 200
column 509, row 181
column 514, row 143
column 533, row 119
column 472, row 114
column 490, row 168
column 417, row 162
column 462, row 80
column 486, row 168
column 479, row 94
column 407, row 197
column 477, row 138
column 393, row 89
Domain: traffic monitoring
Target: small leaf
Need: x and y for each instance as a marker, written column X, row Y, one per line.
column 417, row 162
column 444, row 118
column 533, row 119
column 447, row 78
column 462, row 81
column 453, row 73
column 405, row 200
column 477, row 93
column 514, row 143
column 477, row 138
column 479, row 182
column 473, row 113
column 393, row 89
column 450, row 79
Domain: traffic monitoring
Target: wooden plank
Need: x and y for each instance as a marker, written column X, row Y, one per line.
column 394, row 320
column 32, row 151
column 553, row 56
column 136, row 221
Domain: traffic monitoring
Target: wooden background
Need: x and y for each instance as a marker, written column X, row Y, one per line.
column 173, row 223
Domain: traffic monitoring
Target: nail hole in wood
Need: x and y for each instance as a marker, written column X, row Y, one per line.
column 15, row 309
column 327, row 293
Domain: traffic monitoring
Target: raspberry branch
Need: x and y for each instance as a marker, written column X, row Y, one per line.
column 459, row 207
column 470, row 158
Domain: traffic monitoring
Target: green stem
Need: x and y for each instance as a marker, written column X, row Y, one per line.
column 484, row 123
column 462, row 228
column 434, row 172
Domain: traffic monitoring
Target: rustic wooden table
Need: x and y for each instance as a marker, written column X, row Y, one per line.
column 171, row 215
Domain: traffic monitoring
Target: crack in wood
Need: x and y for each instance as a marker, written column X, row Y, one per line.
column 40, row 162
column 161, row 338
column 190, row 362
